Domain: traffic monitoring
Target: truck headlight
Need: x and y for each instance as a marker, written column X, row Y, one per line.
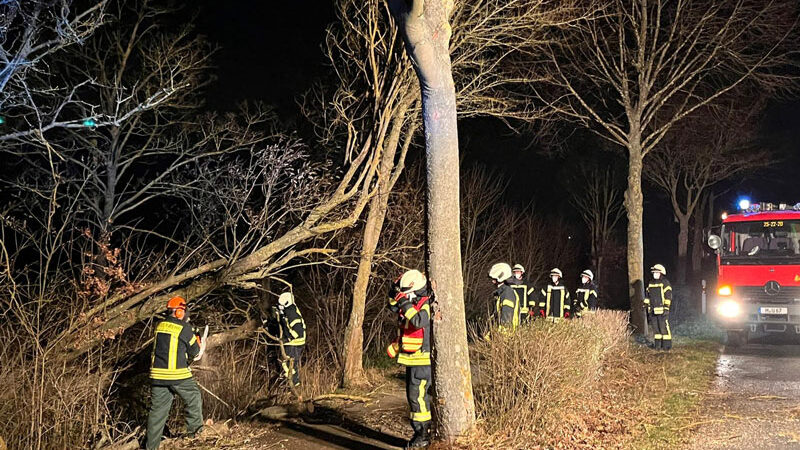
column 725, row 291
column 729, row 309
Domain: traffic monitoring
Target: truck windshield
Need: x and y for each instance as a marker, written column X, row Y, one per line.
column 759, row 240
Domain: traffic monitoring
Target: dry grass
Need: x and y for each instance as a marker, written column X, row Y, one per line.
column 584, row 384
column 46, row 405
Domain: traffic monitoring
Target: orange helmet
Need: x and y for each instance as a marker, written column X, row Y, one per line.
column 177, row 303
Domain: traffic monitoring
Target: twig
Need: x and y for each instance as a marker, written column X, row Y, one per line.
column 214, row 395
column 353, row 398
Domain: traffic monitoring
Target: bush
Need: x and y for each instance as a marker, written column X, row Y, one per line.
column 537, row 386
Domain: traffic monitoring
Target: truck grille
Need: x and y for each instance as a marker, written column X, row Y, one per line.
column 757, row 294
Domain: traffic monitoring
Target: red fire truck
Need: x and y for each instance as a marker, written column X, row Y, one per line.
column 758, row 284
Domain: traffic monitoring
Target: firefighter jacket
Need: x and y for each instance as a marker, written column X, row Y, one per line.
column 522, row 289
column 585, row 298
column 554, row 300
column 412, row 347
column 174, row 345
column 506, row 306
column 658, row 297
column 293, row 327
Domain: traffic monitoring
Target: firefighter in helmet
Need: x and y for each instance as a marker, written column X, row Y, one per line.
column 292, row 332
column 517, row 282
column 586, row 294
column 554, row 299
column 657, row 301
column 412, row 348
column 506, row 298
column 174, row 346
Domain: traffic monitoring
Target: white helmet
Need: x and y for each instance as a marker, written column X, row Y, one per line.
column 500, row 272
column 556, row 272
column 286, row 299
column 588, row 273
column 411, row 281
column 518, row 267
column 659, row 268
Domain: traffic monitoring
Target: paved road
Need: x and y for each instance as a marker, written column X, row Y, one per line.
column 755, row 403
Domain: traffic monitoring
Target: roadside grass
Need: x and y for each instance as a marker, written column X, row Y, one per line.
column 673, row 404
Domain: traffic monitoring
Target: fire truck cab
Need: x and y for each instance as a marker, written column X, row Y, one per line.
column 758, row 260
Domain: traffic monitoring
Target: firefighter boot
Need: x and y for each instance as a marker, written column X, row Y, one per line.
column 421, row 437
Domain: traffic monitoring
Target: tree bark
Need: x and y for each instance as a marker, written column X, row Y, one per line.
column 426, row 31
column 683, row 248
column 634, row 207
column 353, row 348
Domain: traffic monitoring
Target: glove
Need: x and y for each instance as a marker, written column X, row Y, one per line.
column 531, row 314
column 541, row 312
column 566, row 314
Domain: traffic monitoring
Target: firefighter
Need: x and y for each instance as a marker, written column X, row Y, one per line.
column 586, row 295
column 506, row 298
column 412, row 348
column 554, row 299
column 292, row 329
column 517, row 282
column 174, row 346
column 657, row 300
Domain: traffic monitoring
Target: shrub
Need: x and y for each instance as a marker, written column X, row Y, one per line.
column 537, row 386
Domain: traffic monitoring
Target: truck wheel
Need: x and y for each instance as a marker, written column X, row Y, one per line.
column 737, row 338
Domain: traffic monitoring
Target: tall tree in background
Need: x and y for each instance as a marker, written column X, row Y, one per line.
column 711, row 146
column 636, row 69
column 425, row 27
column 597, row 196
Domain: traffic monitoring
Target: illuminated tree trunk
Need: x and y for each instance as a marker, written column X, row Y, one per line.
column 426, row 31
column 634, row 207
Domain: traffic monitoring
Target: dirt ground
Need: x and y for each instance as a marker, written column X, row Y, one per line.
column 381, row 423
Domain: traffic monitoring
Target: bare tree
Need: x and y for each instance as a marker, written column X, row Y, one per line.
column 712, row 145
column 598, row 198
column 638, row 67
column 425, row 26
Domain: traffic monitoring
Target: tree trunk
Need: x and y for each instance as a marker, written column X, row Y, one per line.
column 634, row 208
column 697, row 247
column 426, row 31
column 353, row 349
column 683, row 249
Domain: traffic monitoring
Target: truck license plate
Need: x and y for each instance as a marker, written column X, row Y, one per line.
column 773, row 310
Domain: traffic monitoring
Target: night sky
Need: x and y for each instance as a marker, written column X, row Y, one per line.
column 270, row 51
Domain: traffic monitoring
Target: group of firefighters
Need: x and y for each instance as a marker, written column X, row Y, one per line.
column 410, row 296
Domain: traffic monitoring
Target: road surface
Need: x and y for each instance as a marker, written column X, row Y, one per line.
column 755, row 401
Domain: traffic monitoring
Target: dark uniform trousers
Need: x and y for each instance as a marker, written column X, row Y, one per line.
column 418, row 383
column 162, row 402
column 291, row 366
column 662, row 335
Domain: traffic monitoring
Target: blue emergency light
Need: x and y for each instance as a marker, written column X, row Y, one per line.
column 744, row 203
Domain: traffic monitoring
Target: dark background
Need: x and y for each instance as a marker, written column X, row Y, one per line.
column 270, row 52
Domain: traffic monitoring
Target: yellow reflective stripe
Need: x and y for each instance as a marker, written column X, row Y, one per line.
column 413, row 340
column 300, row 341
column 173, row 351
column 410, row 312
column 593, row 292
column 668, row 288
column 295, row 322
column 193, row 340
column 166, row 374
column 658, row 310
column 423, row 408
column 508, row 303
column 656, row 336
column 669, row 332
column 414, row 359
column 169, row 328
column 421, row 417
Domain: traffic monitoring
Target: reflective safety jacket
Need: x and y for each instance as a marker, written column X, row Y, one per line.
column 585, row 298
column 554, row 300
column 174, row 345
column 412, row 347
column 522, row 291
column 658, row 297
column 506, row 306
column 293, row 327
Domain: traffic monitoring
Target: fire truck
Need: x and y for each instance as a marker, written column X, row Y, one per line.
column 758, row 260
